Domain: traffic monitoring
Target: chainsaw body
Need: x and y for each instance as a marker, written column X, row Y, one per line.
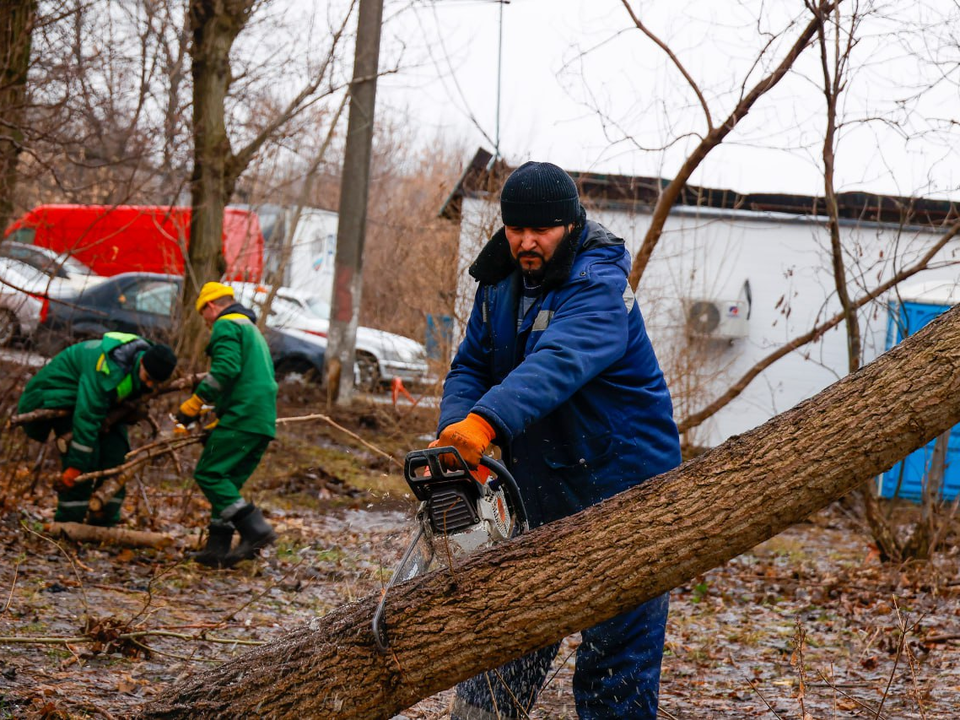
column 461, row 511
column 472, row 509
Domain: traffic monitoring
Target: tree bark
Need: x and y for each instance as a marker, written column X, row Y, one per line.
column 571, row 574
column 214, row 26
column 16, row 30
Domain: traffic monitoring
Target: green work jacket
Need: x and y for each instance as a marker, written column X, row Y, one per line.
column 240, row 384
column 90, row 377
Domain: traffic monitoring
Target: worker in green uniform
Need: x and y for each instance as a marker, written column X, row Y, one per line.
column 241, row 388
column 91, row 378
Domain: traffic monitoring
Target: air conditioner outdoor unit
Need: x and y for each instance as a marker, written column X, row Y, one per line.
column 720, row 319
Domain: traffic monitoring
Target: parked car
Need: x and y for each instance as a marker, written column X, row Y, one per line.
column 381, row 356
column 19, row 309
column 60, row 270
column 147, row 304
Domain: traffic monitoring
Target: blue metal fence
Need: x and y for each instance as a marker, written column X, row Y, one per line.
column 906, row 478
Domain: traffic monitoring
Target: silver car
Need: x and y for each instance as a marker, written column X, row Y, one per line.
column 63, row 272
column 381, row 356
column 20, row 303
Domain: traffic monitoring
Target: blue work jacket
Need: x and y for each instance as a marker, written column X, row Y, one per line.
column 576, row 395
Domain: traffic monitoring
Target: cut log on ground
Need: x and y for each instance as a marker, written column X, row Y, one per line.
column 78, row 532
column 571, row 574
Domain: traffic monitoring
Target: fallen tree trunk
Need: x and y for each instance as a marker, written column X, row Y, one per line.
column 571, row 574
column 79, row 532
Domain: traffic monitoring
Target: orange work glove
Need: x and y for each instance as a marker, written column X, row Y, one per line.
column 189, row 410
column 68, row 479
column 471, row 436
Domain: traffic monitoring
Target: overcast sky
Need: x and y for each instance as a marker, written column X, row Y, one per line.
column 583, row 88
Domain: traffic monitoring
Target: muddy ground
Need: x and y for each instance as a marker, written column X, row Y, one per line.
column 808, row 624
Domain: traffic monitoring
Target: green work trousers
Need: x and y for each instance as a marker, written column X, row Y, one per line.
column 229, row 458
column 72, row 504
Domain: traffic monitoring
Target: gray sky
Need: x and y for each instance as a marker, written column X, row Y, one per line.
column 583, row 88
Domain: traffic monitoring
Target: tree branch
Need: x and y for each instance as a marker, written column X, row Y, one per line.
column 713, row 138
column 674, row 59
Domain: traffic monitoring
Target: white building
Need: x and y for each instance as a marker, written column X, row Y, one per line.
column 736, row 278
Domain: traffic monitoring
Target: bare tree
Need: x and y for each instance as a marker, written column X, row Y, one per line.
column 835, row 40
column 410, row 261
column 837, row 36
column 833, row 61
column 714, row 135
column 307, row 184
column 215, row 26
column 855, row 292
column 98, row 100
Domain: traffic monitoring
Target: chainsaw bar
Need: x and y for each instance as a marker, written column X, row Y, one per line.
column 461, row 511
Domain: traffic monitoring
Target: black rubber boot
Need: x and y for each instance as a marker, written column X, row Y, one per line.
column 255, row 533
column 214, row 554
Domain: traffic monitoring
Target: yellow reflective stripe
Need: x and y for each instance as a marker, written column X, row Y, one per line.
column 123, row 337
column 125, row 387
column 236, row 317
column 102, row 365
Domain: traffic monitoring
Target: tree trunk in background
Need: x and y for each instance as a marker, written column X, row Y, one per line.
column 351, row 228
column 16, row 27
column 214, row 25
column 573, row 573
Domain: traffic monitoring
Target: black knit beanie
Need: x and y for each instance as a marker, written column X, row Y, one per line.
column 159, row 362
column 539, row 194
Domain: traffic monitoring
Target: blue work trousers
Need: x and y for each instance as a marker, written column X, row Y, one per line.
column 617, row 673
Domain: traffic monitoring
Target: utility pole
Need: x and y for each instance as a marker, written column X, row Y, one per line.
column 354, row 185
column 496, row 144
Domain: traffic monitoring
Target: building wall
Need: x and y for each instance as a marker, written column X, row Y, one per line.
column 785, row 260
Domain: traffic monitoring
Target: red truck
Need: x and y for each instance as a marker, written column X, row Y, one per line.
column 112, row 239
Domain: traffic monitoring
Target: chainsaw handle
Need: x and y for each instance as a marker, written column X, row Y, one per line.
column 430, row 458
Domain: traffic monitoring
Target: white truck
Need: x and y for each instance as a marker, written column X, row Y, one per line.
column 312, row 247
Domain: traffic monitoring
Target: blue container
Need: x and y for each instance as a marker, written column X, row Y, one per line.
column 439, row 336
column 906, row 478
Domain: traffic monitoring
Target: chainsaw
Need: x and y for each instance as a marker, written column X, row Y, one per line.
column 461, row 511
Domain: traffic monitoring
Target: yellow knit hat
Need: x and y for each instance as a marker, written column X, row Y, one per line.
column 212, row 291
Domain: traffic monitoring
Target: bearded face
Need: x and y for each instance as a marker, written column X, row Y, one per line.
column 533, row 248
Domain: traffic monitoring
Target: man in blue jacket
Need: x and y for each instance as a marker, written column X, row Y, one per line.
column 556, row 369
